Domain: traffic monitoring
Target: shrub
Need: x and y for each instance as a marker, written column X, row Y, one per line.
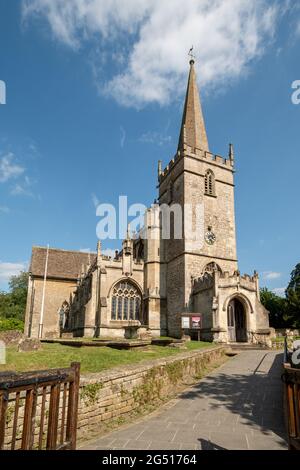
column 8, row 324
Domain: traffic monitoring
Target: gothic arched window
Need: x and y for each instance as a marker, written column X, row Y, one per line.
column 126, row 302
column 210, row 268
column 64, row 315
column 210, row 183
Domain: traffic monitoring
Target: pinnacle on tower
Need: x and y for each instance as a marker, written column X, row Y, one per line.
column 193, row 132
column 159, row 168
column 231, row 153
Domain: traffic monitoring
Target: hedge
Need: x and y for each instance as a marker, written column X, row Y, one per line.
column 8, row 324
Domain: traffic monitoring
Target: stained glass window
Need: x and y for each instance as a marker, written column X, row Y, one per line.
column 126, row 302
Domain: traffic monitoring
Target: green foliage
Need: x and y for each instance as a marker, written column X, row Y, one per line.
column 13, row 303
column 284, row 312
column 18, row 283
column 277, row 306
column 8, row 324
column 295, row 278
column 293, row 298
column 89, row 393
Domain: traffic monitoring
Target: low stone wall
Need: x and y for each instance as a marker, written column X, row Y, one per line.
column 112, row 396
column 11, row 337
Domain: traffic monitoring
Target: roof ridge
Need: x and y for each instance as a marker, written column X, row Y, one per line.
column 65, row 251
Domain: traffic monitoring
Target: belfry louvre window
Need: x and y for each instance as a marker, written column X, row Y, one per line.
column 210, row 183
column 126, row 302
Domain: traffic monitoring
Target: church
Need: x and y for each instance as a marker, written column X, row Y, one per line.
column 148, row 287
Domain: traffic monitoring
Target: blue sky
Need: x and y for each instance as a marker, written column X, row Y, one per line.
column 94, row 100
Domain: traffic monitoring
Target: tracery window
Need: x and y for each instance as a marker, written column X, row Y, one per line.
column 210, row 183
column 64, row 315
column 126, row 302
column 210, row 268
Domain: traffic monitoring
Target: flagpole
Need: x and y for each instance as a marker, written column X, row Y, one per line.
column 43, row 296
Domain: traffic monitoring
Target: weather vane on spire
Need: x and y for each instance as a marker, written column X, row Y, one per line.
column 191, row 54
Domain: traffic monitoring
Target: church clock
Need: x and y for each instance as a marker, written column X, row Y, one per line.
column 210, row 237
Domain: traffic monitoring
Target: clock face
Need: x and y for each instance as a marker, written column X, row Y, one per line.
column 210, row 238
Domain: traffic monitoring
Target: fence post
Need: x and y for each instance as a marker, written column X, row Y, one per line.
column 29, row 417
column 3, row 410
column 285, row 355
column 71, row 432
column 53, row 416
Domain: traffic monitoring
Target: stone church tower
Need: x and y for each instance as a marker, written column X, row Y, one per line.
column 199, row 275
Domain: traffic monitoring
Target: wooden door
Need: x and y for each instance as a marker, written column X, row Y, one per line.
column 231, row 322
column 240, row 323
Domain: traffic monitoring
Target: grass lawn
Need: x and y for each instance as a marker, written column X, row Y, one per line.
column 52, row 356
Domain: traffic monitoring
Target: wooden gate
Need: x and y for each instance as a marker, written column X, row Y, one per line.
column 291, row 379
column 38, row 410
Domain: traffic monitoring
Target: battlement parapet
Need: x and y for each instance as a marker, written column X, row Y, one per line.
column 199, row 154
column 117, row 262
column 203, row 283
column 237, row 276
column 224, row 279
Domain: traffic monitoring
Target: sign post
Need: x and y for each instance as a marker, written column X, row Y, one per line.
column 192, row 322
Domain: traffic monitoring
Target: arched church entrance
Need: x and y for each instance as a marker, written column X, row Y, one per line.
column 237, row 321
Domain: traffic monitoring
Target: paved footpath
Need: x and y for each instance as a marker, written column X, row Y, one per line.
column 238, row 407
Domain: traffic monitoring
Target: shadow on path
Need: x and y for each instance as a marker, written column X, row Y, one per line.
column 255, row 397
column 207, row 445
column 238, row 407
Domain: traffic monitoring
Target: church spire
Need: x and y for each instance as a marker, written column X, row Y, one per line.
column 193, row 132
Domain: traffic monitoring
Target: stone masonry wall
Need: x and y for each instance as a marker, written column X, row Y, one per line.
column 114, row 395
column 57, row 291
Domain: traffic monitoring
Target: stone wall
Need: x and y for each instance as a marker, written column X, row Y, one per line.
column 56, row 292
column 11, row 337
column 115, row 395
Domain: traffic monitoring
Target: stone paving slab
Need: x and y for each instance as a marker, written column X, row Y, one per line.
column 237, row 407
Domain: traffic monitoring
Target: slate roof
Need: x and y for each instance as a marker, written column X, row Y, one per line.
column 62, row 264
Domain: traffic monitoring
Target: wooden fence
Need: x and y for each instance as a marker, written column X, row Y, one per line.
column 38, row 410
column 291, row 379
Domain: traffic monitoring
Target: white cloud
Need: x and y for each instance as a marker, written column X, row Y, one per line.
column 22, row 188
column 72, row 21
column 156, row 138
column 85, row 250
column 4, row 209
column 280, row 291
column 10, row 269
column 151, row 38
column 9, row 169
column 271, row 275
column 122, row 136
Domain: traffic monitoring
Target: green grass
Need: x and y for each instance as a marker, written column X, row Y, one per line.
column 52, row 356
column 281, row 339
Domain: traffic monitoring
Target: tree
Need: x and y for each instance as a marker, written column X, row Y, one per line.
column 293, row 298
column 18, row 282
column 13, row 303
column 277, row 306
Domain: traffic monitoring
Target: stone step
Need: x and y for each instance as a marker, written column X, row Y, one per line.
column 247, row 347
